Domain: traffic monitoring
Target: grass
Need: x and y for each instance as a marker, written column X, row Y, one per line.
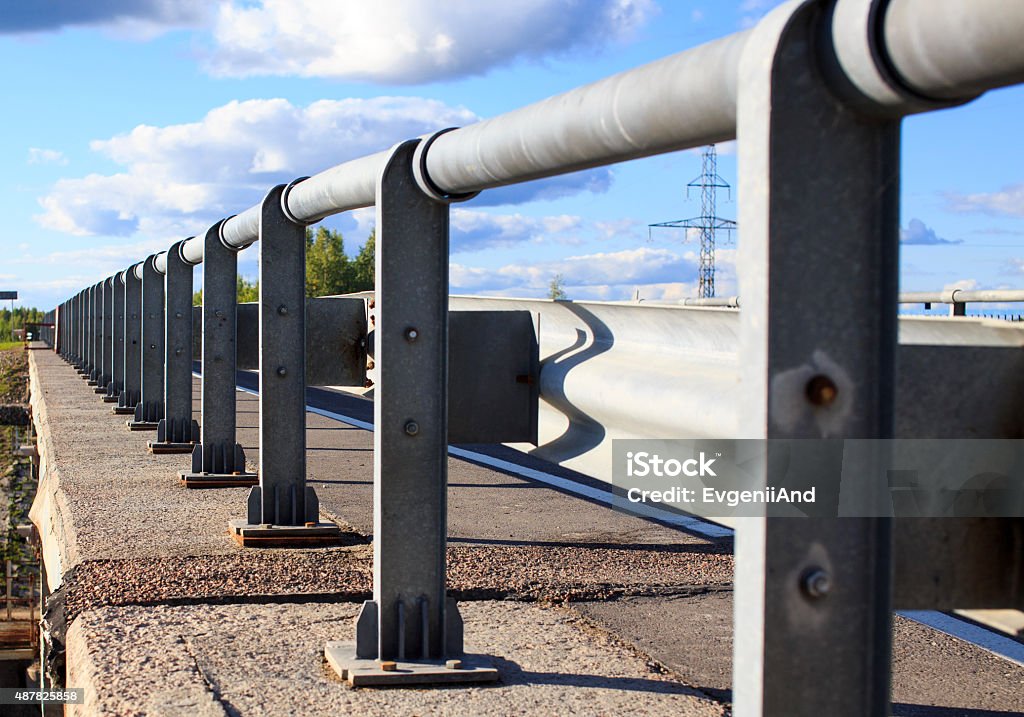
column 7, row 345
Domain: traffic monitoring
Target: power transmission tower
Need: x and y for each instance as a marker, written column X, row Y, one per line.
column 708, row 223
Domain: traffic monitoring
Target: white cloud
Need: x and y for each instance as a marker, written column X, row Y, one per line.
column 962, row 284
column 1009, row 200
column 610, row 275
column 140, row 19
column 180, row 178
column 473, row 231
column 409, row 41
column 917, row 232
column 105, row 260
column 39, row 155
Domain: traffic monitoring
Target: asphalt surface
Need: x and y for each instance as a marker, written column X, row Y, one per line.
column 139, row 553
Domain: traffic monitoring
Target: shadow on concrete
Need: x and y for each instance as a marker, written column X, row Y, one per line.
column 900, row 709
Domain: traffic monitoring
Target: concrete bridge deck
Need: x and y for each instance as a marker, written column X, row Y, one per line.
column 585, row 610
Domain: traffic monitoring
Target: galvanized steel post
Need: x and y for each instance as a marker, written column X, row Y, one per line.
column 95, row 332
column 131, row 389
column 150, row 408
column 77, row 331
column 116, row 339
column 90, row 332
column 410, row 619
column 282, row 507
column 819, row 207
column 218, row 460
column 107, row 352
column 177, row 432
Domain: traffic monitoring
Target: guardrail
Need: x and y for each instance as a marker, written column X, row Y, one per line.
column 958, row 299
column 815, row 94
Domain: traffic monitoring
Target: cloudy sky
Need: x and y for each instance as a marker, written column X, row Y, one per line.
column 129, row 124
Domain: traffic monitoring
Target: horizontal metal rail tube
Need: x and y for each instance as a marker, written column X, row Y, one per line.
column 949, row 296
column 682, row 101
column 950, row 49
column 962, row 296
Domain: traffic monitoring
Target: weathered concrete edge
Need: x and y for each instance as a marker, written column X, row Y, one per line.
column 50, row 510
column 192, row 696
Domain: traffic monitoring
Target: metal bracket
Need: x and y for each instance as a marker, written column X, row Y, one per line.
column 282, row 508
column 177, row 431
column 150, row 408
column 116, row 382
column 93, row 342
column 218, row 460
column 819, row 198
column 107, row 352
column 131, row 388
column 410, row 619
column 357, row 662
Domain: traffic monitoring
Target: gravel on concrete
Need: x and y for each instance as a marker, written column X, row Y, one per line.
column 255, row 660
column 127, row 533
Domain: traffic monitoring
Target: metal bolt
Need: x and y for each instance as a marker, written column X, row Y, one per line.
column 282, row 371
column 177, row 352
column 282, row 310
column 411, row 334
column 453, row 664
column 821, row 391
column 177, row 314
column 817, row 583
column 412, row 428
column 388, row 665
column 152, row 346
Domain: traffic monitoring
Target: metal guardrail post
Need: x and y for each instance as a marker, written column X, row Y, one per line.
column 218, row 460
column 96, row 327
column 177, row 432
column 81, row 331
column 813, row 596
column 958, row 308
column 131, row 387
column 97, row 334
column 150, row 408
column 116, row 381
column 106, row 347
column 71, row 345
column 282, row 507
column 410, row 619
column 90, row 333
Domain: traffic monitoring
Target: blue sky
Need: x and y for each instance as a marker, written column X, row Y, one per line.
column 129, row 124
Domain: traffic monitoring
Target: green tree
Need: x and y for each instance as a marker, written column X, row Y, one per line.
column 246, row 291
column 556, row 289
column 328, row 268
column 9, row 321
column 364, row 265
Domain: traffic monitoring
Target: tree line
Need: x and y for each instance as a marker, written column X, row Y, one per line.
column 329, row 270
column 17, row 319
